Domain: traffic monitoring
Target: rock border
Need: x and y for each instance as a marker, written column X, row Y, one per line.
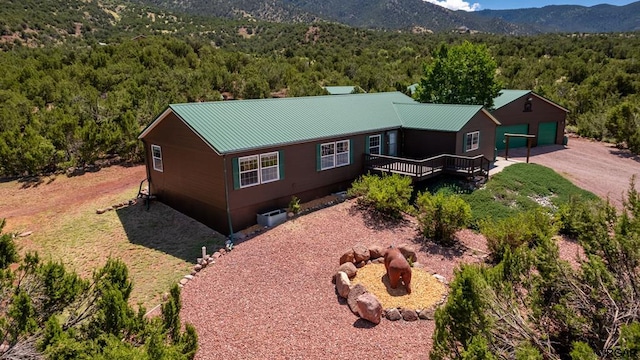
column 359, row 256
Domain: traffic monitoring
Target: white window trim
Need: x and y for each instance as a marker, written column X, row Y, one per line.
column 335, row 154
column 240, row 171
column 476, row 135
column 154, row 158
column 379, row 146
column 258, row 158
column 276, row 166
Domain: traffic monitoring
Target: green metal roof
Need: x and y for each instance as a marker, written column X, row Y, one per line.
column 339, row 90
column 232, row 126
column 437, row 117
column 507, row 96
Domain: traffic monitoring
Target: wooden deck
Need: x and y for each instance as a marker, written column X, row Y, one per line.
column 431, row 167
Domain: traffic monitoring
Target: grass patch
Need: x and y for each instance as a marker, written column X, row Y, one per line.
column 514, row 189
column 159, row 246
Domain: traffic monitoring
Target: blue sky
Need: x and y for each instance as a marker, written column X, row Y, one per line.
column 510, row 4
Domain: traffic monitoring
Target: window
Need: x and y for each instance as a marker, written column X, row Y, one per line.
column 156, row 153
column 258, row 169
column 472, row 141
column 374, row 145
column 334, row 154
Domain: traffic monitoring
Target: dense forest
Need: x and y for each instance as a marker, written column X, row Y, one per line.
column 71, row 99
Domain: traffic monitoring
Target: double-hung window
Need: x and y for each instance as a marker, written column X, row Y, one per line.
column 156, row 154
column 334, row 154
column 374, row 144
column 258, row 169
column 472, row 141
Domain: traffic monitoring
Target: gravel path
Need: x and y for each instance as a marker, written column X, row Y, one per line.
column 272, row 296
column 595, row 166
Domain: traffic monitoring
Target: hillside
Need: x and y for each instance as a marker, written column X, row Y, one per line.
column 573, row 18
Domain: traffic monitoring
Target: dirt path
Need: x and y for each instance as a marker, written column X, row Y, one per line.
column 595, row 166
column 29, row 205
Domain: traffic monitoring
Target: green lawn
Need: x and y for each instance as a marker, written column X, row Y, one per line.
column 514, row 189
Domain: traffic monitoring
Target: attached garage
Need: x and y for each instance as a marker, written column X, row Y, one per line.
column 547, row 132
column 513, row 142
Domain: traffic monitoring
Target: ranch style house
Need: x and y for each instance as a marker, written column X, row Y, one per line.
column 224, row 162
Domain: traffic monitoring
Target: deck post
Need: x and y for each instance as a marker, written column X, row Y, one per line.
column 506, row 153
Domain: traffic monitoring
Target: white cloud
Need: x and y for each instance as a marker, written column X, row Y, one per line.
column 456, row 4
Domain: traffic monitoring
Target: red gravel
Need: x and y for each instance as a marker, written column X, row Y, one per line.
column 272, row 296
column 595, row 166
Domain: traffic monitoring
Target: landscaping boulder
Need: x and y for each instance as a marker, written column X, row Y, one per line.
column 197, row 267
column 369, row 308
column 408, row 252
column 379, row 260
column 426, row 314
column 216, row 255
column 355, row 291
column 347, row 257
column 393, row 314
column 348, row 268
column 375, row 252
column 409, row 315
column 440, row 278
column 343, row 284
column 361, row 264
column 360, row 253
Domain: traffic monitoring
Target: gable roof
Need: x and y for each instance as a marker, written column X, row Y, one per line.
column 234, row 126
column 508, row 96
column 339, row 90
column 438, row 117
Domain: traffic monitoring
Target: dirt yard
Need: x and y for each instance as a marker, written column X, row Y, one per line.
column 598, row 167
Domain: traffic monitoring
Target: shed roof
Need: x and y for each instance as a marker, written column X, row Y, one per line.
column 339, row 90
column 438, row 117
column 507, row 96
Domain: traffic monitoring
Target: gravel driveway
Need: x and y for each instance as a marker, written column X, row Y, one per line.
column 272, row 296
column 595, row 166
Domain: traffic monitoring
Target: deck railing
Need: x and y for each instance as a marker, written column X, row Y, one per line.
column 425, row 168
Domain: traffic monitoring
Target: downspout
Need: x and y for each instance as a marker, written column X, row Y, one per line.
column 146, row 165
column 226, row 196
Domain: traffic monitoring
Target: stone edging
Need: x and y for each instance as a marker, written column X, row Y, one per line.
column 360, row 256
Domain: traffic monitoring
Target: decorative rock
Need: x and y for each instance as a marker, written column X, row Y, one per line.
column 349, row 269
column 440, row 278
column 408, row 252
column 25, row 234
column 199, row 261
column 188, row 277
column 355, row 291
column 100, row 211
column 378, row 261
column 197, row 267
column 347, row 257
column 211, row 261
column 343, row 285
column 222, row 251
column 393, row 314
column 368, row 262
column 375, row 252
column 193, row 272
column 165, row 296
column 183, row 281
column 369, row 308
column 361, row 264
column 409, row 315
column 108, row 208
column 360, row 253
column 216, row 255
column 426, row 314
column 132, row 202
column 206, row 257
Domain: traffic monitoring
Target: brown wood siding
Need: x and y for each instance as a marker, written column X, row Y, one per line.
column 193, row 178
column 542, row 111
column 301, row 178
column 421, row 144
column 487, row 141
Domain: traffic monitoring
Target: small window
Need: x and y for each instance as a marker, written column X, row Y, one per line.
column 156, row 153
column 327, row 158
column 249, row 174
column 342, row 153
column 269, row 168
column 473, row 141
column 374, row 145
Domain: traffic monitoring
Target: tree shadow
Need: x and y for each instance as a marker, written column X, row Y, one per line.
column 169, row 231
column 624, row 154
column 376, row 220
column 456, row 250
column 35, row 181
